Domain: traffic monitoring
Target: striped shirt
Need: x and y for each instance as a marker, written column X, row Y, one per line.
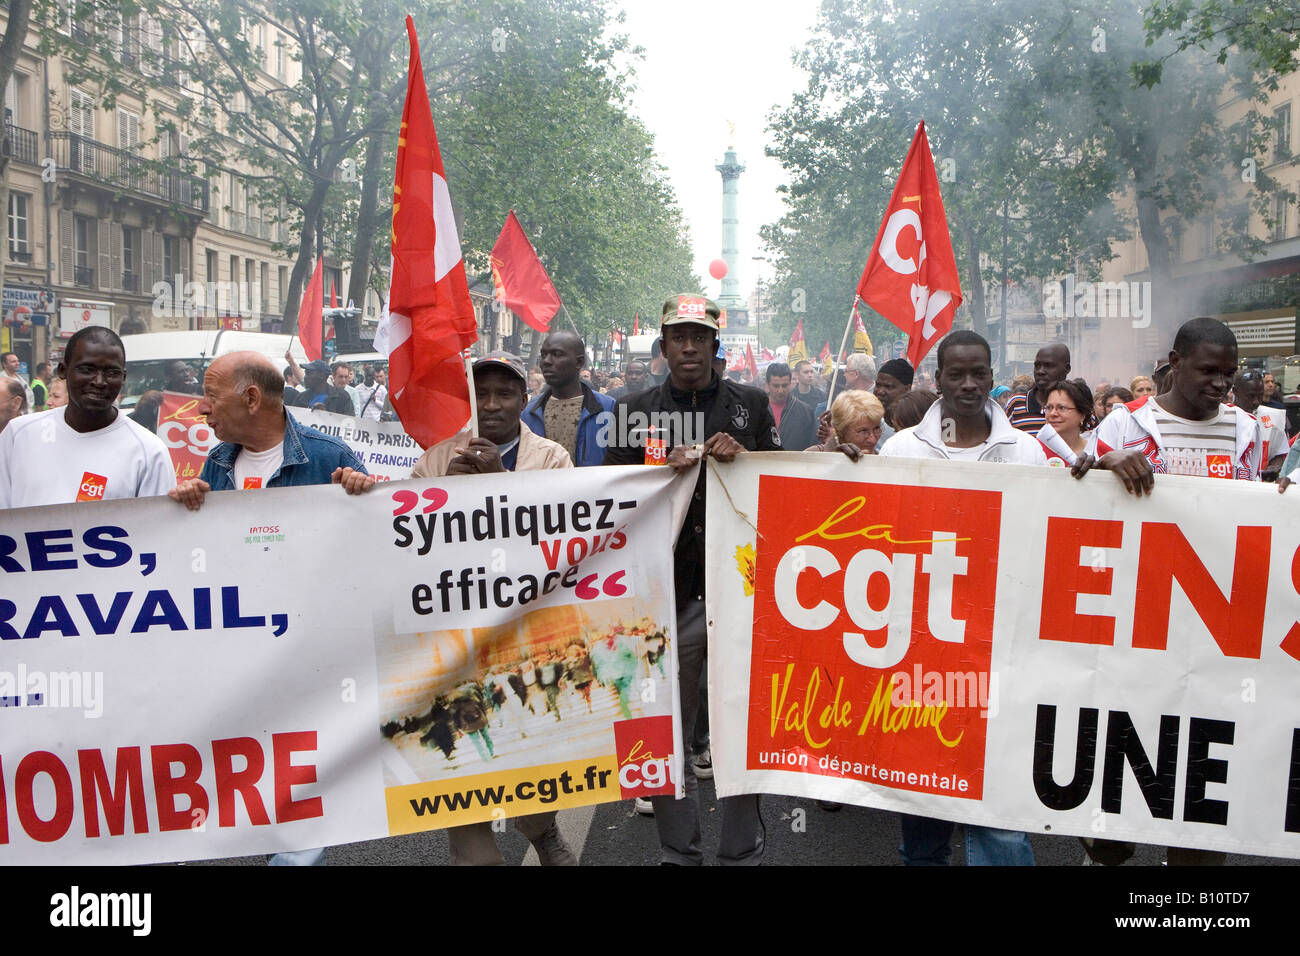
column 1025, row 413
column 1206, row 449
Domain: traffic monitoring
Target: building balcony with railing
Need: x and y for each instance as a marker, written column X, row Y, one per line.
column 123, row 169
column 24, row 145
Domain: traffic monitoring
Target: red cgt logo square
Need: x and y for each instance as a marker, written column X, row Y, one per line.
column 645, row 756
column 1218, row 466
column 92, row 487
column 873, row 633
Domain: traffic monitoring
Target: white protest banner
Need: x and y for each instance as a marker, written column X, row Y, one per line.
column 1009, row 646
column 183, row 685
column 384, row 448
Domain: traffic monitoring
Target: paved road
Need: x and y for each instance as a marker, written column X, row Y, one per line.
column 799, row 833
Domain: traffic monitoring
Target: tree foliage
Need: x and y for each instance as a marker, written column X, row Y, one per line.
column 1031, row 105
column 530, row 109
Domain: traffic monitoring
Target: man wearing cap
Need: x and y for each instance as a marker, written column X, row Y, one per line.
column 721, row 419
column 893, row 381
column 568, row 410
column 505, row 443
column 317, row 392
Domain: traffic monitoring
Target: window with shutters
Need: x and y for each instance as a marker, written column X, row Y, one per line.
column 1282, row 133
column 15, row 99
column 81, row 113
column 1281, row 209
column 128, row 129
column 83, row 251
column 19, row 226
column 279, row 57
column 172, row 264
column 264, row 300
column 130, row 259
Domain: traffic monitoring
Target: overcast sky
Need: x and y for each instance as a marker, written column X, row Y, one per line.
column 707, row 62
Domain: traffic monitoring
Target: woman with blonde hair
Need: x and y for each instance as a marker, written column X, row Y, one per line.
column 855, row 424
column 1142, row 385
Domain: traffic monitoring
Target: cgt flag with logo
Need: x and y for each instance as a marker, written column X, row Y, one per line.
column 1008, row 646
column 429, row 319
column 911, row 276
column 178, row 686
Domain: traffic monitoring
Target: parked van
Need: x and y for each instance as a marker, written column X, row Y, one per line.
column 148, row 354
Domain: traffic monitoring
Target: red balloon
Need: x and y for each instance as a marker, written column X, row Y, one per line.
column 718, row 268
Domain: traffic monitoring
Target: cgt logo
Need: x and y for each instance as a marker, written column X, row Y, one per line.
column 1218, row 466
column 92, row 487
column 645, row 756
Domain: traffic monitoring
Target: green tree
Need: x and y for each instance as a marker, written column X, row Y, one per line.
column 1034, row 107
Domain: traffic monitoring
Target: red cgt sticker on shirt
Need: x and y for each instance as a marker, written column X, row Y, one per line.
column 92, row 487
column 1218, row 466
column 252, row 481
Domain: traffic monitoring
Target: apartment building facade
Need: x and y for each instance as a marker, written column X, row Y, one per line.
column 109, row 220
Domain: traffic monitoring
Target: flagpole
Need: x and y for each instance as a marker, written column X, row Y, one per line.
column 570, row 318
column 835, row 368
column 473, row 396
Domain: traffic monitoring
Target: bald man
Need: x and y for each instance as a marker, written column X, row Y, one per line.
column 568, row 410
column 1051, row 365
column 262, row 446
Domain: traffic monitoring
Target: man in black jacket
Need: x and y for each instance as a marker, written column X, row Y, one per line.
column 700, row 415
column 793, row 418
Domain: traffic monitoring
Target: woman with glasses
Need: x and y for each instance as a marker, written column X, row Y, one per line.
column 1070, row 432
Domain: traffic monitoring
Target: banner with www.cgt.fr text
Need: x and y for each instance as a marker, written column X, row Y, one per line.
column 1009, row 646
column 292, row 668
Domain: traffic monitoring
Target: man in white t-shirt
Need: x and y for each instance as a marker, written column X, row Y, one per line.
column 86, row 450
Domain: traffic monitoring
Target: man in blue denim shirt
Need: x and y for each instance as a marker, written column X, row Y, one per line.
column 262, row 446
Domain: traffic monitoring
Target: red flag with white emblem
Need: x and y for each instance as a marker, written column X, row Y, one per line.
column 429, row 320
column 911, row 275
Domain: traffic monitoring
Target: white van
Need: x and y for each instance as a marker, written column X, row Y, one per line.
column 148, row 354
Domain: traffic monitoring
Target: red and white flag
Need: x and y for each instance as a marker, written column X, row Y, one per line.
column 750, row 363
column 911, row 275
column 428, row 320
column 310, row 316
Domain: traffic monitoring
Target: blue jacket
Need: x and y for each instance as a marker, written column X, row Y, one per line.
column 310, row 457
column 589, row 450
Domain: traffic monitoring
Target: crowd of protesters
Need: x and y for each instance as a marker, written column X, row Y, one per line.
column 1195, row 411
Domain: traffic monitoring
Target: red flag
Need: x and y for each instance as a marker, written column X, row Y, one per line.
column 825, row 353
column 334, row 299
column 768, row 355
column 310, row 318
column 911, row 275
column 429, row 320
column 636, row 324
column 520, row 280
column 749, row 361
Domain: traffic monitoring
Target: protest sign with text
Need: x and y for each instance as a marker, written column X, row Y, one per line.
column 1009, row 646
column 185, row 686
column 384, row 448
